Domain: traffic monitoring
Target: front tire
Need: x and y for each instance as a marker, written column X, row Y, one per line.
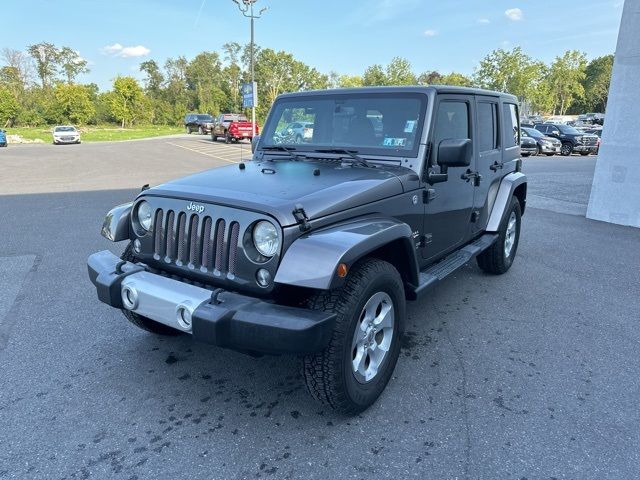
column 566, row 149
column 352, row 371
column 498, row 258
column 200, row 131
column 138, row 320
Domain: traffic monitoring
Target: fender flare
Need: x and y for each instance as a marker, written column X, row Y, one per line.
column 507, row 188
column 116, row 223
column 311, row 260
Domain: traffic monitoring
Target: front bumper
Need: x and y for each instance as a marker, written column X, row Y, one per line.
column 217, row 317
column 529, row 150
column 553, row 148
column 586, row 148
column 66, row 139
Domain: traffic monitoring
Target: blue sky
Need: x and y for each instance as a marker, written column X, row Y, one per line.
column 340, row 35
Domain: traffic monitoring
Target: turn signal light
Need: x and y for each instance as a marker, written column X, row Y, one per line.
column 342, row 270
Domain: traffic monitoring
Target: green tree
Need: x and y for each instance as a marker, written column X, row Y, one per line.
column 565, row 78
column 127, row 101
column 456, row 79
column 278, row 72
column 71, row 63
column 47, row 58
column 232, row 74
column 8, row 106
column 596, row 83
column 72, row 104
column 399, row 72
column 374, row 76
column 509, row 71
column 154, row 79
column 204, row 77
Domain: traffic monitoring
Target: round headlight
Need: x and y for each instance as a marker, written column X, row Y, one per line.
column 265, row 238
column 145, row 215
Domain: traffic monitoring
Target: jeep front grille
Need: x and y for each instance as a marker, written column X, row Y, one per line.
column 197, row 242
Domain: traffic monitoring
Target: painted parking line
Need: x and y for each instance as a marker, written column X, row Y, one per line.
column 201, row 152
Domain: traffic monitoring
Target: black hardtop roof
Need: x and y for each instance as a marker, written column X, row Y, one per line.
column 439, row 89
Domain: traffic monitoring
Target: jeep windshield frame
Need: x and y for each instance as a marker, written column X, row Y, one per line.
column 380, row 124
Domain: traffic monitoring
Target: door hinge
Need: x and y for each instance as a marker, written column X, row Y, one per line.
column 301, row 217
column 428, row 195
column 475, row 215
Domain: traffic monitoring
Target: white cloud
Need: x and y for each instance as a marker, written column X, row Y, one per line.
column 117, row 50
column 514, row 14
column 430, row 33
column 484, row 20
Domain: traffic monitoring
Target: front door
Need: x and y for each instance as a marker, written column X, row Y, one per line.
column 449, row 204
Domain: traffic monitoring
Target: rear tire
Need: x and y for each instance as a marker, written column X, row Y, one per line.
column 138, row 320
column 498, row 258
column 200, row 131
column 227, row 137
column 584, row 154
column 352, row 371
column 188, row 130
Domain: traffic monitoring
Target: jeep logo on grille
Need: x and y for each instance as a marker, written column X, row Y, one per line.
column 194, row 207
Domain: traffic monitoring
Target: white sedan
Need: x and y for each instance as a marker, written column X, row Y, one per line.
column 65, row 134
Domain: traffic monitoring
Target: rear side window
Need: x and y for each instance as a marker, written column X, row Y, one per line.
column 511, row 127
column 487, row 126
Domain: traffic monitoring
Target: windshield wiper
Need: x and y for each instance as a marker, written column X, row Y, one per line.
column 280, row 148
column 359, row 160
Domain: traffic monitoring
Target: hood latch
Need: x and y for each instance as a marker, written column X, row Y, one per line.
column 301, row 217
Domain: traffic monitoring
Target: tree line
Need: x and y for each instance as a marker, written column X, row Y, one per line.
column 38, row 86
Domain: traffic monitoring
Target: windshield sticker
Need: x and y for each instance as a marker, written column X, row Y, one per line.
column 410, row 126
column 394, row 142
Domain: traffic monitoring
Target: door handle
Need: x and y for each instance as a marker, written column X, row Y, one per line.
column 496, row 165
column 471, row 175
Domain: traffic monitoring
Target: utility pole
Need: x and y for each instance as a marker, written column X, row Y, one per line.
column 246, row 7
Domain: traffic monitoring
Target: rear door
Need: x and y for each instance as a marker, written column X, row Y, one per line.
column 489, row 159
column 448, row 212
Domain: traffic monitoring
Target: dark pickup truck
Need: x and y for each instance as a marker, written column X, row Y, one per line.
column 573, row 140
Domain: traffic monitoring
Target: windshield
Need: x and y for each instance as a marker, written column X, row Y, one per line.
column 567, row 129
column 532, row 132
column 382, row 124
column 65, row 129
column 205, row 118
column 235, row 118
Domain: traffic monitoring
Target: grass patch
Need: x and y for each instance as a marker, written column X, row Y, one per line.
column 97, row 134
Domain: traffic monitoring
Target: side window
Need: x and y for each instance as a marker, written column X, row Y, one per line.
column 511, row 127
column 488, row 126
column 452, row 121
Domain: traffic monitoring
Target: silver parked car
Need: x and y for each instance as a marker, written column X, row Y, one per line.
column 65, row 134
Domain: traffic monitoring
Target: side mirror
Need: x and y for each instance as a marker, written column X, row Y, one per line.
column 455, row 153
column 555, row 132
column 254, row 143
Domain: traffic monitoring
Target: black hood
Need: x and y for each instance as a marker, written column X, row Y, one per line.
column 275, row 188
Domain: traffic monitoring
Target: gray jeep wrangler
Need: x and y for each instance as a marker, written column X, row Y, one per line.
column 314, row 247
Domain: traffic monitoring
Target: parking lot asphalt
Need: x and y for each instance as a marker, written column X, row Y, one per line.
column 533, row 374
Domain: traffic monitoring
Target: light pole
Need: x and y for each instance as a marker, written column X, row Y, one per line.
column 246, row 7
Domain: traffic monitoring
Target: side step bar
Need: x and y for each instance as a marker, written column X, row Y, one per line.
column 445, row 267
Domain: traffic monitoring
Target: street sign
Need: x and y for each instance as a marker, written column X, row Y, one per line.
column 249, row 95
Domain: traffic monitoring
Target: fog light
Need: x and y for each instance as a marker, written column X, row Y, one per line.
column 129, row 298
column 263, row 277
column 183, row 314
column 137, row 246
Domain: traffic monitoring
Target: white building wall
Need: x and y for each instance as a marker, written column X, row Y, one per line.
column 615, row 195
